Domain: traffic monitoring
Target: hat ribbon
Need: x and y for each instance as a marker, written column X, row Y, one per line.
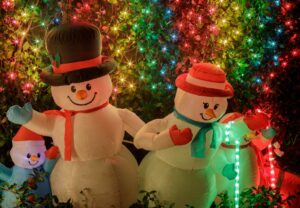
column 68, row 67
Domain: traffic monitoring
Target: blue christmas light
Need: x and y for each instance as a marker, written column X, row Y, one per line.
column 164, row 49
column 174, row 37
column 170, row 86
column 258, row 80
column 56, row 21
column 275, row 58
column 173, row 62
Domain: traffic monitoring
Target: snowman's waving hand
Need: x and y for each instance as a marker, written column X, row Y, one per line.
column 20, row 115
column 38, row 122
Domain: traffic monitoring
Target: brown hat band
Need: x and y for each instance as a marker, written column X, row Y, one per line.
column 68, row 67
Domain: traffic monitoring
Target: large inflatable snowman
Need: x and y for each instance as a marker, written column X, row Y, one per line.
column 28, row 152
column 95, row 170
column 253, row 133
column 184, row 143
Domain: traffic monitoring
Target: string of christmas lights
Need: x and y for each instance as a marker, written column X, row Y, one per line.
column 255, row 42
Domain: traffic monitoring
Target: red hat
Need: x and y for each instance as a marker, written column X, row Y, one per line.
column 205, row 79
column 25, row 134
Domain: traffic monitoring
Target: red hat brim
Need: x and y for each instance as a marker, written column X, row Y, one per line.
column 203, row 91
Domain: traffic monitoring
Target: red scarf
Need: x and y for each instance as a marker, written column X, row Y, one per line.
column 69, row 127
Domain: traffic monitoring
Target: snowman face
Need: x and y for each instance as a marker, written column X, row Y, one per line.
column 28, row 155
column 200, row 108
column 83, row 95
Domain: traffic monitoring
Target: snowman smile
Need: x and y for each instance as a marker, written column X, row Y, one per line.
column 32, row 164
column 205, row 119
column 81, row 104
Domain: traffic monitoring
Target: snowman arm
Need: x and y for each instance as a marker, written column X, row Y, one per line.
column 49, row 165
column 154, row 135
column 5, row 173
column 41, row 123
column 132, row 123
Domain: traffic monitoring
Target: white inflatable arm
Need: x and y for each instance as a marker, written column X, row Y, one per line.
column 41, row 124
column 154, row 135
column 132, row 123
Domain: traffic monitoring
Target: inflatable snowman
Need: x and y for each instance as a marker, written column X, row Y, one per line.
column 185, row 142
column 95, row 170
column 253, row 134
column 28, row 152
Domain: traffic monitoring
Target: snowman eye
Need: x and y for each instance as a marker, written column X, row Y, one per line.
column 205, row 105
column 28, row 155
column 73, row 88
column 216, row 106
column 88, row 86
column 38, row 155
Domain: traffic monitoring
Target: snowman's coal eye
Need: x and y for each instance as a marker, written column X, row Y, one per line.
column 88, row 86
column 28, row 155
column 216, row 106
column 205, row 105
column 38, row 155
column 73, row 88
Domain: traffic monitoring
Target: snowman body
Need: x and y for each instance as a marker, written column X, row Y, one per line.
column 176, row 175
column 95, row 169
column 28, row 152
column 249, row 156
column 101, row 167
column 101, row 172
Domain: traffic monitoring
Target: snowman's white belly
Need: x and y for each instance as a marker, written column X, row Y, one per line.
column 181, row 156
column 95, row 135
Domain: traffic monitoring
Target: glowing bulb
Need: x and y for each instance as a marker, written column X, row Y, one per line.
column 122, row 79
column 24, row 14
column 23, row 33
column 131, row 85
column 129, row 63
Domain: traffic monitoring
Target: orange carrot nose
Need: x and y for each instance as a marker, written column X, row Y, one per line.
column 210, row 112
column 81, row 94
column 34, row 158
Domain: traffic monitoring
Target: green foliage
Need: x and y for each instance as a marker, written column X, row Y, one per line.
column 257, row 197
column 150, row 200
column 25, row 198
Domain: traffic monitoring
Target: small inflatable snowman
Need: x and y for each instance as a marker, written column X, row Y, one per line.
column 185, row 142
column 253, row 132
column 28, row 152
column 95, row 170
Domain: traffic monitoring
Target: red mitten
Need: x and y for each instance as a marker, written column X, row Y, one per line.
column 52, row 153
column 258, row 121
column 180, row 137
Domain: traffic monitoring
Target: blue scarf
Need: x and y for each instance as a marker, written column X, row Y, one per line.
column 198, row 144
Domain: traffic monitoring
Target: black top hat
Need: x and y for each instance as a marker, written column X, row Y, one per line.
column 75, row 53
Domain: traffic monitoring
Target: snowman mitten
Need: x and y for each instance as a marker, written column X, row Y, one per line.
column 268, row 133
column 180, row 137
column 229, row 172
column 20, row 115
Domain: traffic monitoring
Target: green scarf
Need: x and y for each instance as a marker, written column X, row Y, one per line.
column 198, row 144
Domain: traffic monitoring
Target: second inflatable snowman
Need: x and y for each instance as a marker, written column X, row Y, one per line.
column 95, row 170
column 185, row 142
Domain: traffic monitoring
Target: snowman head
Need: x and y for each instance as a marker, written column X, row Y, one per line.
column 79, row 74
column 83, row 95
column 202, row 93
column 28, row 149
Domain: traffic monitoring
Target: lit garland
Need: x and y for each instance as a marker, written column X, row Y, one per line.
column 236, row 163
column 271, row 162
